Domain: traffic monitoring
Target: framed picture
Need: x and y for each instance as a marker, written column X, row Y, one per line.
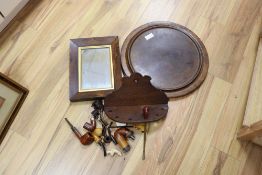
column 95, row 68
column 12, row 96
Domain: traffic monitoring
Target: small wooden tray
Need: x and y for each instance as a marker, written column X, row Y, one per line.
column 172, row 55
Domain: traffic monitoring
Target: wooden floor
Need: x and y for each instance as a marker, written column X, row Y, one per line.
column 199, row 133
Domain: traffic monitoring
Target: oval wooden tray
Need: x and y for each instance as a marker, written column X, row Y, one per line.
column 172, row 55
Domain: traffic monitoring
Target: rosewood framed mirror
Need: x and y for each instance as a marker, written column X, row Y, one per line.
column 95, row 69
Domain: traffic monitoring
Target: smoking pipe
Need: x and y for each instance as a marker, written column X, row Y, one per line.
column 98, row 140
column 121, row 135
column 110, row 134
column 96, row 113
column 98, row 104
column 96, row 135
column 106, row 137
column 90, row 126
column 97, row 132
column 113, row 152
column 85, row 139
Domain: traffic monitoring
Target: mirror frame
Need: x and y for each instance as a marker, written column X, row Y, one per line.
column 23, row 91
column 75, row 91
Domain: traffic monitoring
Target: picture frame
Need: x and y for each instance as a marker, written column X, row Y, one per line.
column 12, row 96
column 94, row 68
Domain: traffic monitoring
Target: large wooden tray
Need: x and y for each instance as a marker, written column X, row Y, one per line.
column 172, row 55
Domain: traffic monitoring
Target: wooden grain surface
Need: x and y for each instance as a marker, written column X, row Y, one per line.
column 250, row 132
column 199, row 134
column 252, row 124
column 254, row 103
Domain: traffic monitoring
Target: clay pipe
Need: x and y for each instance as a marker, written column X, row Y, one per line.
column 121, row 136
column 85, row 139
column 90, row 126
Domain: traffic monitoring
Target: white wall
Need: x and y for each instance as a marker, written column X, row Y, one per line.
column 9, row 9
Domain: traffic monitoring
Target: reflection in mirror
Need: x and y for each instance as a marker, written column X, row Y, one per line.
column 96, row 68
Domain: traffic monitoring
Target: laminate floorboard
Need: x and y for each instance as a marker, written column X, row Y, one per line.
column 199, row 134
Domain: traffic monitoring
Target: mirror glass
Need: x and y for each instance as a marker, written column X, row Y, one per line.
column 96, row 68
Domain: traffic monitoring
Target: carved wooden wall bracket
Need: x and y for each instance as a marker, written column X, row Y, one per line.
column 127, row 104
